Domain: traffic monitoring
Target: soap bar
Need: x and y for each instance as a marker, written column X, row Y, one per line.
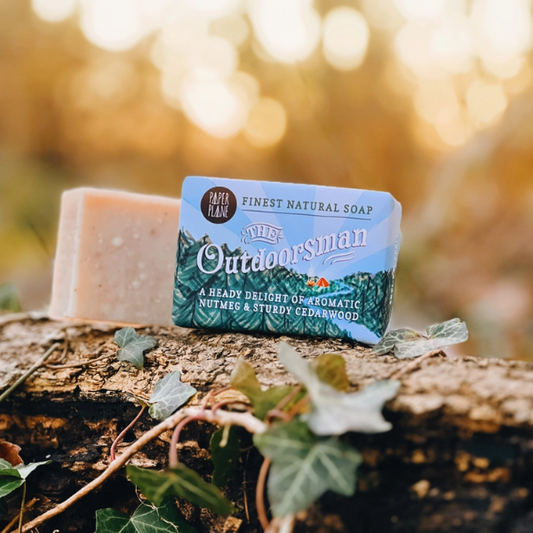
column 115, row 257
column 286, row 258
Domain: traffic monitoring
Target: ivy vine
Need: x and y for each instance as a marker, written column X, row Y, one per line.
column 297, row 429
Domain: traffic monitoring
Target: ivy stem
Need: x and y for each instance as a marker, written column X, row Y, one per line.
column 281, row 405
column 260, row 494
column 61, row 358
column 173, row 452
column 123, row 433
column 221, row 390
column 246, row 420
column 278, row 410
column 282, row 525
column 205, row 400
column 297, row 406
column 29, row 372
column 414, row 364
column 212, row 394
column 22, row 504
column 245, row 488
column 27, row 507
column 229, row 402
column 277, row 413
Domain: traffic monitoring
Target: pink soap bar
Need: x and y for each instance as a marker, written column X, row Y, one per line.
column 115, row 258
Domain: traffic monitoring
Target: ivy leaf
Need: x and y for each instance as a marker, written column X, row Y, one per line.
column 133, row 346
column 13, row 477
column 182, row 482
column 150, row 519
column 21, row 471
column 169, row 394
column 146, row 519
column 334, row 412
column 9, row 484
column 407, row 343
column 244, row 380
column 112, row 521
column 396, row 337
column 26, row 470
column 270, row 398
column 331, row 369
column 9, row 298
column 304, row 467
column 224, row 458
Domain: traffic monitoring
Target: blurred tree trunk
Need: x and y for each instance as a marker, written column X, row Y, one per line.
column 459, row 458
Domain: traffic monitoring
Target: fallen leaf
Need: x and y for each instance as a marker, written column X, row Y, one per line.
column 10, row 453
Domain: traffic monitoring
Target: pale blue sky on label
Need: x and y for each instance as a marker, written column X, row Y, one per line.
column 376, row 212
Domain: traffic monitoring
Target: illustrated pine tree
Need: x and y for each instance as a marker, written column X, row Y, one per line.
column 373, row 292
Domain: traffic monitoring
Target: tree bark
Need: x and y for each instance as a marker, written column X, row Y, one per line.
column 459, row 456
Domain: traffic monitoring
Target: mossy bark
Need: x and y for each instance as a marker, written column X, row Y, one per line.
column 459, row 458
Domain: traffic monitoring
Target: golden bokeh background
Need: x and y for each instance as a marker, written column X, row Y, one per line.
column 428, row 99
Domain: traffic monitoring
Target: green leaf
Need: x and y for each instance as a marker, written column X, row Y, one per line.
column 304, row 467
column 334, row 412
column 133, row 346
column 26, row 470
column 13, row 477
column 112, row 521
column 9, row 484
column 244, row 380
column 226, row 457
column 331, row 369
column 146, row 519
column 396, row 337
column 20, row 471
column 406, row 343
column 182, row 482
column 169, row 394
column 271, row 398
column 10, row 472
column 3, row 507
column 5, row 464
column 163, row 519
column 9, row 298
column 124, row 336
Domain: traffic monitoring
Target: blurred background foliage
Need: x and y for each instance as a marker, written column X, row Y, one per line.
column 428, row 99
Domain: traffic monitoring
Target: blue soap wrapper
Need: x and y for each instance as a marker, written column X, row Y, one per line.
column 286, row 258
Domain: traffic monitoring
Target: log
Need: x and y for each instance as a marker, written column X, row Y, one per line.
column 459, row 456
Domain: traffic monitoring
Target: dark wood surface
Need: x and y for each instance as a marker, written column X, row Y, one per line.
column 459, row 457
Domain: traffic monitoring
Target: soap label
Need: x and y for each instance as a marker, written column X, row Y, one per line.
column 286, row 258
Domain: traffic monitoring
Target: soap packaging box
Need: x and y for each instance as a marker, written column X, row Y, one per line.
column 286, row 258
